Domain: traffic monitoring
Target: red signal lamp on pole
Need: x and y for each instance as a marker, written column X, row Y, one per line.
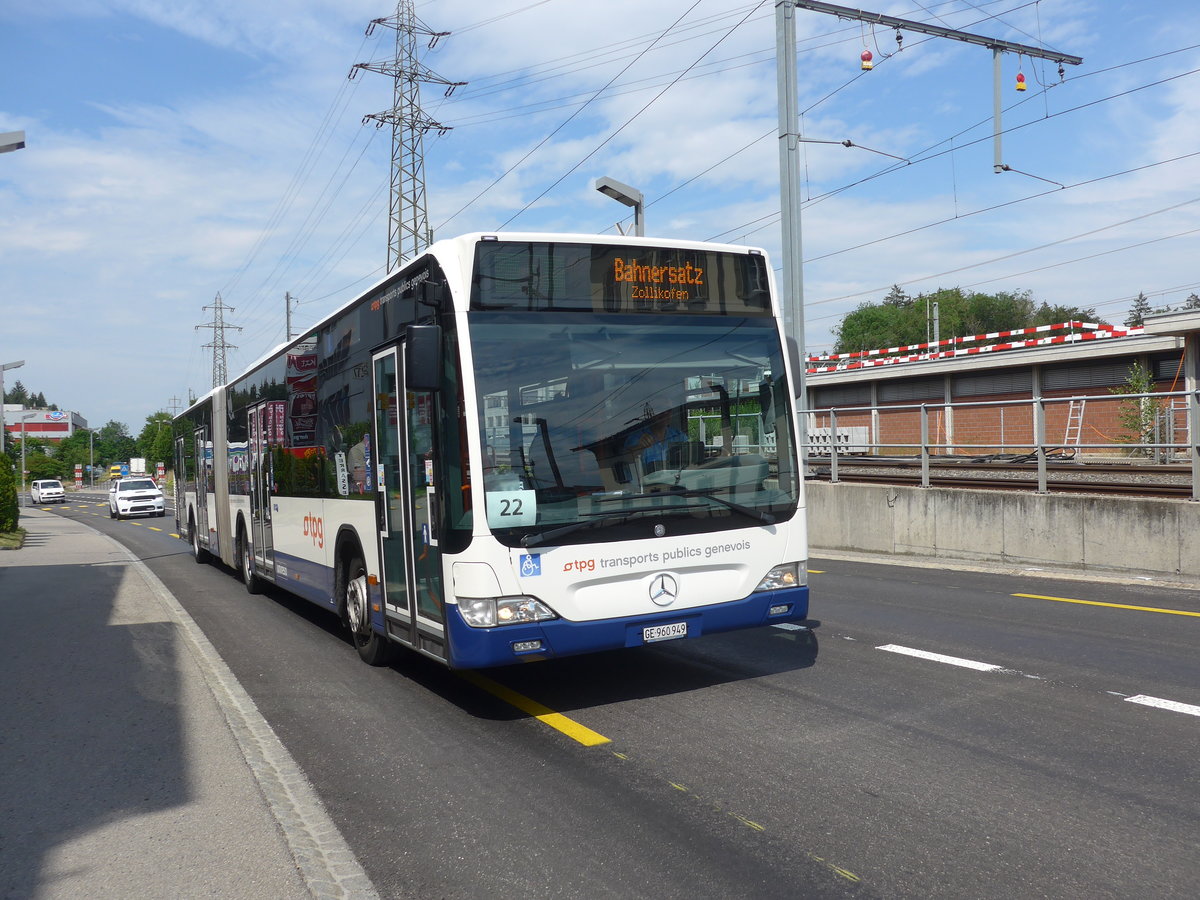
column 866, row 61
column 1020, row 81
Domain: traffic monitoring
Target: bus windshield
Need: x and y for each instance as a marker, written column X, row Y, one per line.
column 630, row 426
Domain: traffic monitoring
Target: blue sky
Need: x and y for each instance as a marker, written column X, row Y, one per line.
column 180, row 149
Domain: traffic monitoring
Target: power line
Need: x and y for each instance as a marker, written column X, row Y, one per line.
column 630, row 120
column 561, row 126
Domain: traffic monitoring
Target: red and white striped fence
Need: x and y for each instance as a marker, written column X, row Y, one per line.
column 1077, row 332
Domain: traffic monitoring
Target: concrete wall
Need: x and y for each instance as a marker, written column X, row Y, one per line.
column 1160, row 538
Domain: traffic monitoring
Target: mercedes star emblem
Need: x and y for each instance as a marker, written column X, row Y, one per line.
column 663, row 590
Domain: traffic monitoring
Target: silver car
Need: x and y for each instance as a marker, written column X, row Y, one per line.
column 47, row 490
column 134, row 497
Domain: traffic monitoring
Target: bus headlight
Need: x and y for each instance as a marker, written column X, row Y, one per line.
column 487, row 612
column 789, row 575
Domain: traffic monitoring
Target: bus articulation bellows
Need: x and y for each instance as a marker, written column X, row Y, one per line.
column 518, row 447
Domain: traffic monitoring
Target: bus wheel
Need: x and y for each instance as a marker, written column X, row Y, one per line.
column 198, row 552
column 373, row 648
column 246, row 563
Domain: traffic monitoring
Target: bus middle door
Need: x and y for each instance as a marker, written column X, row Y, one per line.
column 259, row 448
column 203, row 450
column 404, row 425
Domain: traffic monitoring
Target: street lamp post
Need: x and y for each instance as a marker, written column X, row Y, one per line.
column 4, row 368
column 91, row 460
column 24, row 418
column 630, row 196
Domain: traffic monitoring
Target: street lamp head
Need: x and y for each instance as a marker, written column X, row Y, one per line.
column 630, row 196
column 620, row 192
column 11, row 140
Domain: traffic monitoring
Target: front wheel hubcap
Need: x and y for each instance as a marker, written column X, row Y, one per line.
column 356, row 604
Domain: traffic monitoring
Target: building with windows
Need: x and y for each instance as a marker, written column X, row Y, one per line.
column 44, row 424
column 973, row 394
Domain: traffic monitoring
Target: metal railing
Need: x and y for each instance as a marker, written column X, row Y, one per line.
column 1144, row 428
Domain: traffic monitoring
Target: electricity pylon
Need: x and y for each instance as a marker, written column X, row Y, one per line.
column 219, row 345
column 408, row 216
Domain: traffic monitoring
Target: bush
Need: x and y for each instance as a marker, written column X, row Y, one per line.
column 10, row 512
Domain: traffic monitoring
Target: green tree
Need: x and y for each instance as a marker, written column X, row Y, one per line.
column 35, row 451
column 1048, row 314
column 1138, row 415
column 72, row 451
column 1138, row 312
column 39, row 465
column 113, row 443
column 897, row 297
column 1192, row 302
column 155, row 443
column 18, row 393
column 900, row 321
column 10, row 511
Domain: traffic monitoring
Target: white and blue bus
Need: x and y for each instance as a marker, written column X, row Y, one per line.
column 518, row 447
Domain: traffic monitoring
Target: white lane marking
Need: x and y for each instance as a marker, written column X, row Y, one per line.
column 790, row 626
column 1172, row 705
column 938, row 657
column 1143, row 699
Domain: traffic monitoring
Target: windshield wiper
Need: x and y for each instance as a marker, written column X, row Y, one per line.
column 707, row 493
column 594, row 520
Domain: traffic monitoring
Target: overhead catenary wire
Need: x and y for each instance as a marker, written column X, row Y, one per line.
column 625, row 124
column 559, row 128
column 313, row 270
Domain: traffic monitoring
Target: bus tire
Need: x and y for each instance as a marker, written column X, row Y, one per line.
column 373, row 648
column 245, row 559
column 198, row 553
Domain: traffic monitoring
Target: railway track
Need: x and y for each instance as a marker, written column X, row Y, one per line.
column 1111, row 479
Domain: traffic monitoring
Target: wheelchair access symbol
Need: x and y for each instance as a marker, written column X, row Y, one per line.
column 531, row 564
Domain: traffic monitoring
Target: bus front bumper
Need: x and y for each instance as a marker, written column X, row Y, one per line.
column 477, row 648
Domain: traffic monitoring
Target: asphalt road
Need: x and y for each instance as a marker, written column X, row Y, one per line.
column 937, row 735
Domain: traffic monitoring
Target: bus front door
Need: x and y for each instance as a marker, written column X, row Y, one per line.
column 259, row 453
column 407, row 491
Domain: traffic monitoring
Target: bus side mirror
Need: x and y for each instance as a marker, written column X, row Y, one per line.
column 423, row 358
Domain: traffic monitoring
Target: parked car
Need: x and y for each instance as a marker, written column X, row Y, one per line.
column 134, row 497
column 47, row 490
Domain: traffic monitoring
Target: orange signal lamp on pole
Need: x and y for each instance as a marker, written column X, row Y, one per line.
column 1020, row 81
column 866, row 61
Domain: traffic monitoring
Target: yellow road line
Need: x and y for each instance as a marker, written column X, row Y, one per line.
column 557, row 721
column 1155, row 609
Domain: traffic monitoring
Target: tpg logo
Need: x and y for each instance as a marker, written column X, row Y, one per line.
column 314, row 527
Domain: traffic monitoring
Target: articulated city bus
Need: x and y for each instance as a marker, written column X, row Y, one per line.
column 518, row 447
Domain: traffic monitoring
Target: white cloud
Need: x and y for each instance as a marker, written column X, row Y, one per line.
column 181, row 181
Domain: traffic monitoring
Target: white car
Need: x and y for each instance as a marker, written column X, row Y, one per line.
column 48, row 490
column 134, row 497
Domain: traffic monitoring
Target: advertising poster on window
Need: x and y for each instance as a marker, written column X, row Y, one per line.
column 301, row 379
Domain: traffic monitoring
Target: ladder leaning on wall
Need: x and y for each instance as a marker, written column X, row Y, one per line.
column 1074, row 423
